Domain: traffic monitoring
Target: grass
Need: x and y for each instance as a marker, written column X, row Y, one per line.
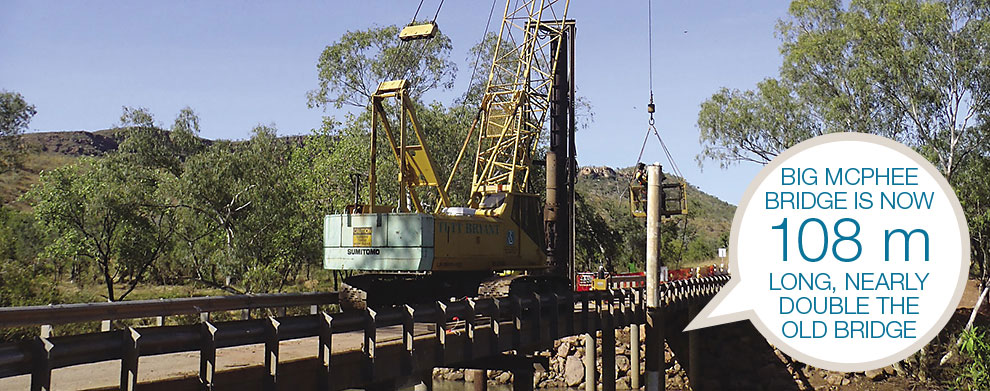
column 18, row 181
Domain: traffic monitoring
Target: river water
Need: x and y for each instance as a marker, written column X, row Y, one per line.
column 450, row 385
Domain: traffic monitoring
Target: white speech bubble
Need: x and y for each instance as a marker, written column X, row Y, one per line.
column 910, row 301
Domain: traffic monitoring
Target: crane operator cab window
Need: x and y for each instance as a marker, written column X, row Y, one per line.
column 492, row 201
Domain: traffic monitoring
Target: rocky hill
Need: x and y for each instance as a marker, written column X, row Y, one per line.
column 74, row 143
column 605, row 192
column 706, row 211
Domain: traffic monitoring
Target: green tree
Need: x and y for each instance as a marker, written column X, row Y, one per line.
column 150, row 146
column 15, row 114
column 753, row 126
column 108, row 212
column 24, row 278
column 243, row 215
column 911, row 70
column 351, row 68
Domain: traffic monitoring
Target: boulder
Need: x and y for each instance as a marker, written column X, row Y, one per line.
column 875, row 374
column 563, row 349
column 835, row 379
column 622, row 383
column 573, row 371
column 622, row 363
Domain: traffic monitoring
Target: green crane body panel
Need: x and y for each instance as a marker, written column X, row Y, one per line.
column 379, row 241
column 503, row 238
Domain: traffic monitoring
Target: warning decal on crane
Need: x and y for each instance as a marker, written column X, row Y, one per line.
column 362, row 237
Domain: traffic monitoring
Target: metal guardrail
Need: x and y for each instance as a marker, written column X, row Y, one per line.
column 39, row 356
column 677, row 292
column 85, row 312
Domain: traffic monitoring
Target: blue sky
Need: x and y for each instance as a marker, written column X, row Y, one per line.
column 238, row 64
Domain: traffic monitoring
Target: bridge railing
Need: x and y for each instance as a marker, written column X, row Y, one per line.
column 39, row 356
column 106, row 312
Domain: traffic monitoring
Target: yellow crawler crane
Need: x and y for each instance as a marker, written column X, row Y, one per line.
column 417, row 253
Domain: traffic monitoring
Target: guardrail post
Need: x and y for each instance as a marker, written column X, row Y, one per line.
column 369, row 343
column 160, row 319
column 105, row 325
column 469, row 316
column 46, row 331
column 585, row 313
column 569, row 315
column 599, row 304
column 495, row 327
column 608, row 343
column 537, row 332
column 41, row 371
column 517, row 321
column 626, row 303
column 208, row 355
column 555, row 317
column 246, row 314
column 326, row 350
column 441, row 331
column 271, row 353
column 314, row 309
column 408, row 338
column 204, row 317
column 129, row 360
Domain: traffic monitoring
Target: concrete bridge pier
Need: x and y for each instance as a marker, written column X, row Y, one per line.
column 608, row 347
column 634, row 344
column 418, row 381
column 590, row 353
column 522, row 378
column 521, row 366
column 478, row 379
column 694, row 351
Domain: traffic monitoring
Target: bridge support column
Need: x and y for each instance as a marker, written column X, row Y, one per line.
column 478, row 379
column 590, row 375
column 655, row 364
column 522, row 378
column 426, row 384
column 694, row 351
column 634, row 355
column 608, row 346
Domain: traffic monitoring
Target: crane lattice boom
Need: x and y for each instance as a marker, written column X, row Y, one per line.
column 517, row 95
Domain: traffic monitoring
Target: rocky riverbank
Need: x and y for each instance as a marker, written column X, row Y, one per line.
column 737, row 357
column 567, row 365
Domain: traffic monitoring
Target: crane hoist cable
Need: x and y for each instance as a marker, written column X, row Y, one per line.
column 651, row 108
column 420, row 6
column 484, row 36
column 438, row 11
column 392, row 73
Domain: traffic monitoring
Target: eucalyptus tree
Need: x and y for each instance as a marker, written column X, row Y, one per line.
column 15, row 114
column 911, row 70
